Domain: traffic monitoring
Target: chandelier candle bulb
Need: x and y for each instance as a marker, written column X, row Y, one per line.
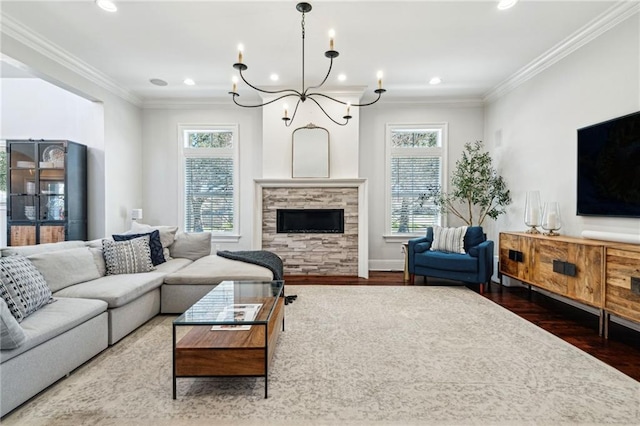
column 240, row 49
column 332, row 35
column 348, row 108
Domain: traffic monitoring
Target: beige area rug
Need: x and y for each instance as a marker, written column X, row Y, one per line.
column 358, row 355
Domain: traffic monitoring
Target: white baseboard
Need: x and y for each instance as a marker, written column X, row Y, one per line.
column 386, row 265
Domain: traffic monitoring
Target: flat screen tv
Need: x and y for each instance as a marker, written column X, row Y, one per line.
column 609, row 168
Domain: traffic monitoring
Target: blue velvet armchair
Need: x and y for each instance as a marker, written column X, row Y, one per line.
column 475, row 266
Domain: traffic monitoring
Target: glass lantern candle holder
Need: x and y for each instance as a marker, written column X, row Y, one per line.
column 533, row 212
column 551, row 221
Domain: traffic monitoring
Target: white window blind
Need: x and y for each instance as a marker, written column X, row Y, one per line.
column 210, row 179
column 415, row 167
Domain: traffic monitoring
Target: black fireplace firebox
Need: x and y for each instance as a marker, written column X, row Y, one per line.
column 310, row 221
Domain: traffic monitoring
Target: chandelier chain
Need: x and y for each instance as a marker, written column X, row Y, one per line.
column 304, row 94
column 303, row 91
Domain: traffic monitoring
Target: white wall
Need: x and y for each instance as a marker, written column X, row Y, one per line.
column 532, row 130
column 161, row 147
column 120, row 135
column 531, row 133
column 465, row 124
column 343, row 140
column 31, row 108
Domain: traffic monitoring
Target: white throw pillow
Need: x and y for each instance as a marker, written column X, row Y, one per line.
column 448, row 240
column 167, row 234
column 127, row 257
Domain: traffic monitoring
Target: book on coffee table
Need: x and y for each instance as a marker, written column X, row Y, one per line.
column 238, row 313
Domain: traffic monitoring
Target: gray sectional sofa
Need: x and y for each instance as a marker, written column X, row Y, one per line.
column 91, row 310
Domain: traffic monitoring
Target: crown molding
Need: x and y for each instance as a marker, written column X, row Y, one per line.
column 188, row 103
column 14, row 29
column 598, row 26
column 446, row 101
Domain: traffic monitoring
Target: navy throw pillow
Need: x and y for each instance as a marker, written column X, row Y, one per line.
column 473, row 237
column 157, row 256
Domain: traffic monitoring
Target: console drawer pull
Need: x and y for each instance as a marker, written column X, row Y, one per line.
column 564, row 268
column 635, row 285
column 515, row 255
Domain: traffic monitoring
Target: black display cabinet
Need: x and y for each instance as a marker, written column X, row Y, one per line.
column 46, row 191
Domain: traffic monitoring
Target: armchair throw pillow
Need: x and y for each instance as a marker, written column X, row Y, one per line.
column 448, row 240
column 22, row 286
column 127, row 257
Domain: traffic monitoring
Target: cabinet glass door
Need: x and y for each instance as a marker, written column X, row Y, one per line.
column 52, row 194
column 51, row 155
column 23, row 182
column 23, row 156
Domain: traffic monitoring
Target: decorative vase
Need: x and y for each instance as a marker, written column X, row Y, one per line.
column 551, row 220
column 532, row 212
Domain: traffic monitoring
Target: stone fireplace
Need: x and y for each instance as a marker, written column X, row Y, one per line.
column 314, row 253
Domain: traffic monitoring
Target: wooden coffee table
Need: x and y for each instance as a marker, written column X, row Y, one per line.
column 218, row 343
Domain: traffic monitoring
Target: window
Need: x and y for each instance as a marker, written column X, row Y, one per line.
column 3, row 172
column 210, row 178
column 415, row 156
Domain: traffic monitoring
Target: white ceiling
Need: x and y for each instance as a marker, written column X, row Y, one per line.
column 471, row 45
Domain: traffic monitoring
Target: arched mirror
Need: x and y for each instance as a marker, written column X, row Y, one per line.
column 310, row 152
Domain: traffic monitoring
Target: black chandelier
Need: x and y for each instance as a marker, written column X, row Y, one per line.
column 305, row 93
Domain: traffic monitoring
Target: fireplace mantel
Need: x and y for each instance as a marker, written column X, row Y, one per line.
column 359, row 184
column 309, row 182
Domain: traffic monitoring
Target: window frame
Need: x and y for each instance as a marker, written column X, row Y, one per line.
column 3, row 191
column 440, row 151
column 187, row 152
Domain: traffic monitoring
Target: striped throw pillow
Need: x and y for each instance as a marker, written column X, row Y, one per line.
column 448, row 240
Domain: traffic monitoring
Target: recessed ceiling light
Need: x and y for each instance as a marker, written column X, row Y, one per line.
column 506, row 4
column 107, row 5
column 435, row 80
column 274, row 77
column 158, row 82
column 189, row 82
column 342, row 77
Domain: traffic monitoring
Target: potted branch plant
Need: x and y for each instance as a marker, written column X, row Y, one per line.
column 477, row 191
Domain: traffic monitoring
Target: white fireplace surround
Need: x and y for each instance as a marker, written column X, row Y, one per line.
column 360, row 184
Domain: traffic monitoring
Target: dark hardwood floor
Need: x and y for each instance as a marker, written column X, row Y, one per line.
column 574, row 325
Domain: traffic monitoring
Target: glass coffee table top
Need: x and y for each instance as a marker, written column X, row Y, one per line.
column 234, row 303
